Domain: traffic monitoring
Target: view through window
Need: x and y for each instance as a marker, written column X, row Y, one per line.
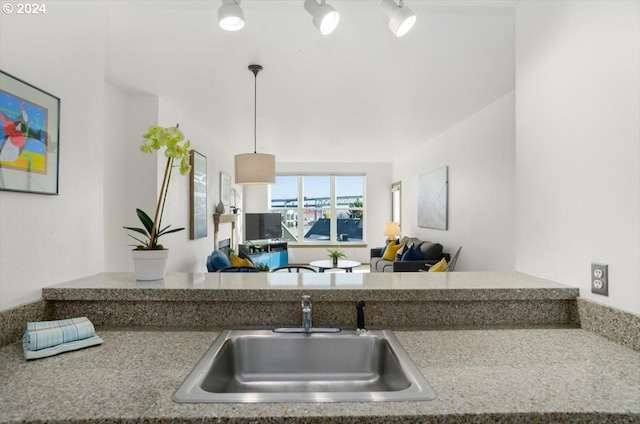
column 320, row 208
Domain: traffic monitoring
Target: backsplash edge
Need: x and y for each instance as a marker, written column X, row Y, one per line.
column 13, row 321
column 613, row 324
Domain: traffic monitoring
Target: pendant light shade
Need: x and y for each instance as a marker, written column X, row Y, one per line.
column 230, row 15
column 325, row 17
column 401, row 18
column 255, row 168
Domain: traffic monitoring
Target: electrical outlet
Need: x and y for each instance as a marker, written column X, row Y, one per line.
column 600, row 279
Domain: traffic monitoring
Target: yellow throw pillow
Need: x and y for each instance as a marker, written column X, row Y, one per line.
column 237, row 261
column 391, row 250
column 441, row 266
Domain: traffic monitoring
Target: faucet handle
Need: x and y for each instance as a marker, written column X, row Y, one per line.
column 360, row 316
column 305, row 300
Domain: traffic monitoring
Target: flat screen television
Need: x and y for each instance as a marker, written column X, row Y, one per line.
column 260, row 226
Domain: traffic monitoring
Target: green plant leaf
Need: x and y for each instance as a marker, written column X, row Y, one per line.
column 144, row 243
column 336, row 253
column 146, row 221
column 175, row 230
column 160, row 231
column 138, row 230
column 164, row 230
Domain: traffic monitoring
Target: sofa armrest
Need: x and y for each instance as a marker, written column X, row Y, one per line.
column 375, row 252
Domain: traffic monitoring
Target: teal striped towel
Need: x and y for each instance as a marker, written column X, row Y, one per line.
column 44, row 334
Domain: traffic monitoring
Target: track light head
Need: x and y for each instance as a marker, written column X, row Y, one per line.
column 325, row 17
column 401, row 18
column 230, row 15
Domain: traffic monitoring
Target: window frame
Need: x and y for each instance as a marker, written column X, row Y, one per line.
column 333, row 208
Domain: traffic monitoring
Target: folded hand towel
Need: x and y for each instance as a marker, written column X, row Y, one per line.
column 44, row 334
column 41, row 325
column 61, row 348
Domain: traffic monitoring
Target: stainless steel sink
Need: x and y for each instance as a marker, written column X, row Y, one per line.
column 258, row 365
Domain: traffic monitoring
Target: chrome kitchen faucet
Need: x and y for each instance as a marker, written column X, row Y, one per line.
column 307, row 312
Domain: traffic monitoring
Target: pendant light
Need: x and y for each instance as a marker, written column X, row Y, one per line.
column 255, row 168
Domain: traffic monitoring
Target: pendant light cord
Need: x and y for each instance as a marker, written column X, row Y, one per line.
column 255, row 69
column 255, row 110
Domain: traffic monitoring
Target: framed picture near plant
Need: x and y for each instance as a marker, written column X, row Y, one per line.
column 225, row 189
column 29, row 137
column 432, row 199
column 198, row 196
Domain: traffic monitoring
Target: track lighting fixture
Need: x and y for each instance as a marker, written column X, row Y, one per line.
column 401, row 18
column 230, row 15
column 325, row 17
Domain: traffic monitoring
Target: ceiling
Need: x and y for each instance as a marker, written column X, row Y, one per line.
column 352, row 96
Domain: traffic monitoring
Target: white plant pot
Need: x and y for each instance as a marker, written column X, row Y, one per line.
column 149, row 264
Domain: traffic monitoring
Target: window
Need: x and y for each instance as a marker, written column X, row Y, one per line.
column 320, row 209
column 396, row 202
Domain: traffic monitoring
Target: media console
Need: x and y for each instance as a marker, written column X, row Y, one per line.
column 274, row 254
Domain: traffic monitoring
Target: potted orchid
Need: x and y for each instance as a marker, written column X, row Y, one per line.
column 149, row 256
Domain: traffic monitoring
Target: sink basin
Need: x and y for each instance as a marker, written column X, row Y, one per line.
column 258, row 365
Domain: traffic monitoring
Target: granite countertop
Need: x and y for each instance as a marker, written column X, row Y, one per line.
column 480, row 376
column 270, row 287
column 220, row 300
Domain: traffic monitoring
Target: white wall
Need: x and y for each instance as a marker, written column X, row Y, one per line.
column 479, row 152
column 377, row 205
column 49, row 239
column 116, row 181
column 578, row 148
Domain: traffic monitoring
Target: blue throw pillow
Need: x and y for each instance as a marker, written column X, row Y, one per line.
column 412, row 254
column 409, row 255
column 217, row 260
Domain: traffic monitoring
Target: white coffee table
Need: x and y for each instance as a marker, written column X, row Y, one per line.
column 342, row 264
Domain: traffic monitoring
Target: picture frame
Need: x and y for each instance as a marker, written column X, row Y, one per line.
column 432, row 199
column 225, row 189
column 198, row 196
column 29, row 137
